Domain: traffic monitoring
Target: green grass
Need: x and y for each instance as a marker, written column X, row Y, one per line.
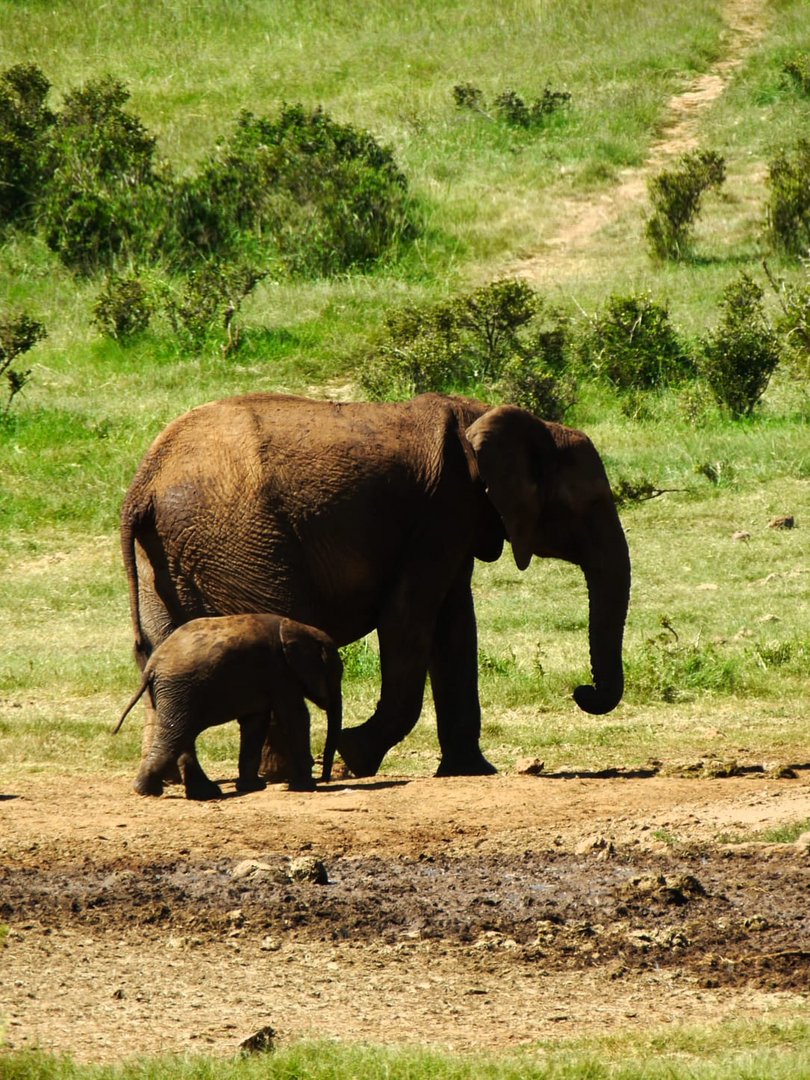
column 778, row 1050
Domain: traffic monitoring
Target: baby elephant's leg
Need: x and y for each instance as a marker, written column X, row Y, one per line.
column 296, row 717
column 252, row 729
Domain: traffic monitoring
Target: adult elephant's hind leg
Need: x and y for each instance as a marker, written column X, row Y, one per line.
column 454, row 681
column 156, row 626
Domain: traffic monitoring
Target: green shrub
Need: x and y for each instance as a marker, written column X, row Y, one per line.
column 467, row 96
column 360, row 661
column 18, row 334
column 301, row 190
column 537, row 388
column 676, row 196
column 793, row 325
column 24, row 122
column 102, row 196
column 788, row 211
column 798, row 71
column 500, row 339
column 209, row 301
column 633, row 345
column 510, row 107
column 123, row 307
column 319, row 196
column 513, row 110
column 421, row 351
column 491, row 318
column 742, row 352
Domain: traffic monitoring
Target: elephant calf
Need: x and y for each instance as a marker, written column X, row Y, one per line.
column 245, row 667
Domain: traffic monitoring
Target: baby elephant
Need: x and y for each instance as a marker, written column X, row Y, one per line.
column 244, row 667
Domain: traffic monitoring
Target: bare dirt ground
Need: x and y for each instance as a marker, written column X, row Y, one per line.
column 466, row 913
column 470, row 913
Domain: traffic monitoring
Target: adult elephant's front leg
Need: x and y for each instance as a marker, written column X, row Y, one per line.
column 454, row 681
column 404, row 635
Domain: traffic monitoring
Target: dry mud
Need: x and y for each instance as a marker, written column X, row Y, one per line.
column 466, row 913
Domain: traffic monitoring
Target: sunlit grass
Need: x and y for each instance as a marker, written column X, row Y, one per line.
column 778, row 1049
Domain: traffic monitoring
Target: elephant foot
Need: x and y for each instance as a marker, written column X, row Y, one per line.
column 274, row 768
column 474, row 764
column 303, row 783
column 171, row 774
column 361, row 759
column 201, row 792
column 251, row 783
column 148, row 784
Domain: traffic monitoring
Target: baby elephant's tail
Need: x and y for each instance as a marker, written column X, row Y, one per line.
column 138, row 695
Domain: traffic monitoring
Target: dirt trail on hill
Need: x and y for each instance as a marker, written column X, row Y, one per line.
column 566, row 251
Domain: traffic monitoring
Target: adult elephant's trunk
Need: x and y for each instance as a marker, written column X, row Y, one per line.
column 608, row 579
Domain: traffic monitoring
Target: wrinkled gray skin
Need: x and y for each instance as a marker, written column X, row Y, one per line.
column 242, row 667
column 359, row 516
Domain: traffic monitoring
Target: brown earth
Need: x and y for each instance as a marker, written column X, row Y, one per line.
column 465, row 913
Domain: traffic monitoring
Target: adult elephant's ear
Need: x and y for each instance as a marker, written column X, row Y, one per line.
column 515, row 455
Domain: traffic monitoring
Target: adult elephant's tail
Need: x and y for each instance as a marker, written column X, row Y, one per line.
column 133, row 519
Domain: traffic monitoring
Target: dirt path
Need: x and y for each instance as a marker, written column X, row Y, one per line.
column 469, row 913
column 567, row 250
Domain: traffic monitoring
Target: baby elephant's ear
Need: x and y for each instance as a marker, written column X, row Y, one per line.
column 306, row 654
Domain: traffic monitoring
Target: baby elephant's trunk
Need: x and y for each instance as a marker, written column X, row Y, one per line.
column 334, row 722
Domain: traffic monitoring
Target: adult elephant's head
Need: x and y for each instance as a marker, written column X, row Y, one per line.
column 550, row 488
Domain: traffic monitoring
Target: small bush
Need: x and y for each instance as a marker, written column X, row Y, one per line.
column 123, row 308
column 24, row 122
column 103, row 197
column 676, row 195
column 788, row 211
column 743, row 351
column 360, row 661
column 793, row 325
column 421, row 351
column 538, row 389
column 510, row 107
column 500, row 338
column 492, row 317
column 18, row 334
column 467, row 96
column 633, row 345
column 513, row 110
column 798, row 71
column 210, row 300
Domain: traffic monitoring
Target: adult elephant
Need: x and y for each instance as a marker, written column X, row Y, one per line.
column 351, row 517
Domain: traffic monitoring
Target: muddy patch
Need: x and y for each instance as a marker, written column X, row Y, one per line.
column 726, row 917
